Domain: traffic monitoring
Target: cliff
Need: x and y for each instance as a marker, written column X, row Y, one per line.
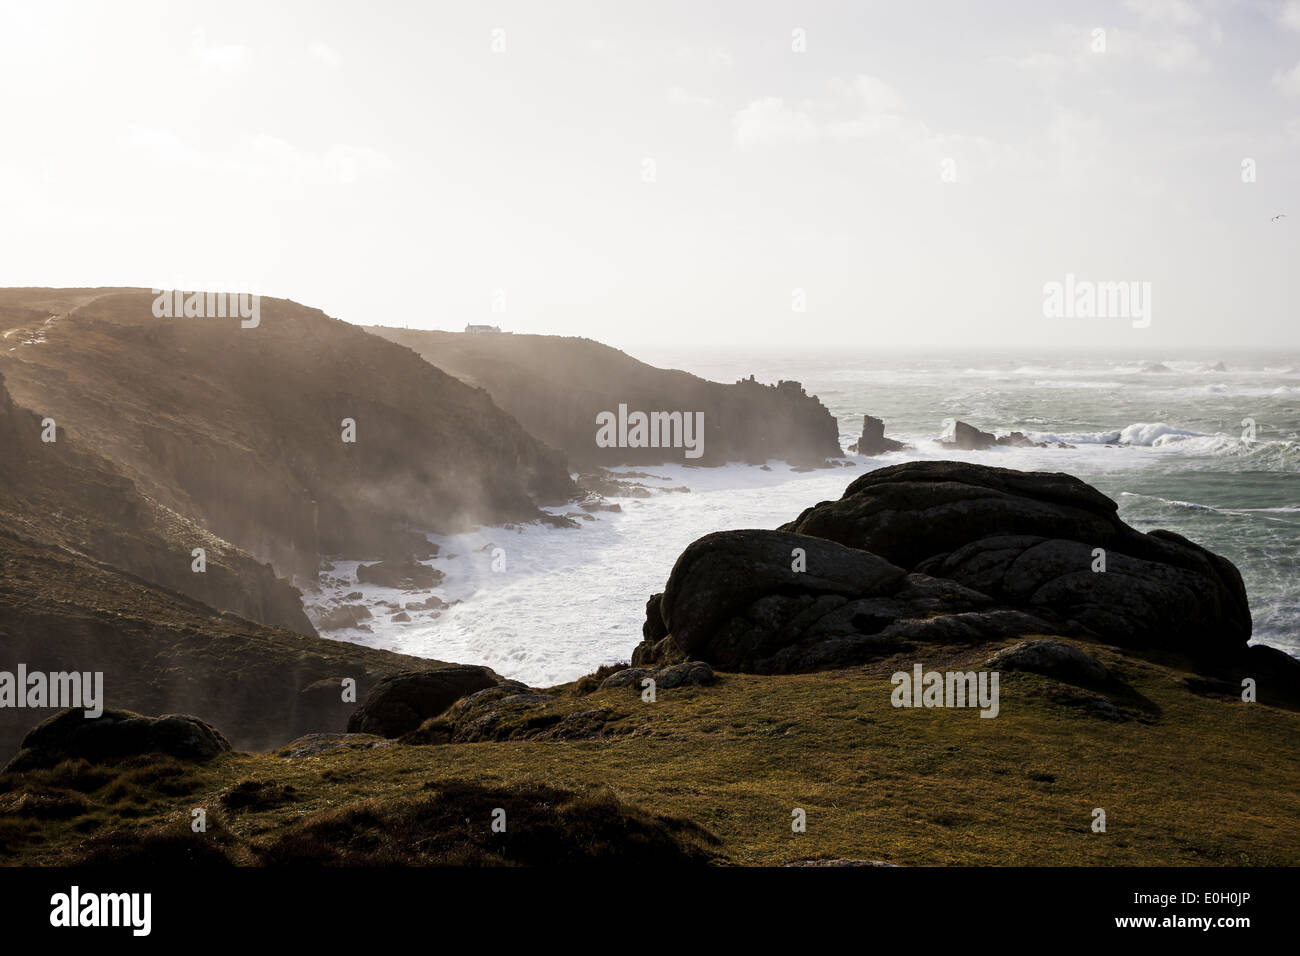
column 241, row 429
column 557, row 386
column 162, row 652
column 62, row 495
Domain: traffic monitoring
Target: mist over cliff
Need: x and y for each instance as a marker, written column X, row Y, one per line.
column 557, row 386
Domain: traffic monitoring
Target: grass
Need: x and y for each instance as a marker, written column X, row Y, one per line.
column 1185, row 779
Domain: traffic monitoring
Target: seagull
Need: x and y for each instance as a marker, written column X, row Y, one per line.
column 1280, row 215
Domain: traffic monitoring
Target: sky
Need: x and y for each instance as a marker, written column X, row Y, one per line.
column 867, row 175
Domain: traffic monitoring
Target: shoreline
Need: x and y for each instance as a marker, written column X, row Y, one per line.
column 528, row 623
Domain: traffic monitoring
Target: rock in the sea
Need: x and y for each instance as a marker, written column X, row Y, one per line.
column 969, row 438
column 404, row 574
column 401, row 702
column 1020, row 440
column 1054, row 658
column 873, row 441
column 346, row 615
column 113, row 735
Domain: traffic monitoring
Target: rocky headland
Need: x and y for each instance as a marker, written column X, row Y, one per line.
column 557, row 386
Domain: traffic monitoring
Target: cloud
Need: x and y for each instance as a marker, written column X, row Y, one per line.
column 769, row 122
column 1177, row 13
column 856, row 110
column 719, row 59
column 228, row 61
column 1288, row 82
column 1170, row 52
column 264, row 158
column 1289, row 15
column 678, row 95
column 325, row 53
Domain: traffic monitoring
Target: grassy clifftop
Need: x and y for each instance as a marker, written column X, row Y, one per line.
column 1189, row 774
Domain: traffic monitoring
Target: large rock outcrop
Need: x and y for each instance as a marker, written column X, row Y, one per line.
column 1033, row 539
column 942, row 552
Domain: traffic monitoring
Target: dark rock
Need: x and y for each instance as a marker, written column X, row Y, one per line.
column 430, row 604
column 405, row 574
column 348, row 615
column 321, row 704
column 399, row 703
column 628, row 675
column 557, row 521
column 1020, row 440
column 722, row 574
column 969, row 438
column 688, row 672
column 873, row 441
column 674, row 675
column 116, row 734
column 654, row 629
column 1054, row 658
column 1026, row 539
column 1276, row 674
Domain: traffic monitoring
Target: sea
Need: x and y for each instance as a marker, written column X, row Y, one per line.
column 1207, row 446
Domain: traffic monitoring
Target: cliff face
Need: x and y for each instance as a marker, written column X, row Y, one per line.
column 161, row 652
column 62, row 495
column 241, row 429
column 557, row 387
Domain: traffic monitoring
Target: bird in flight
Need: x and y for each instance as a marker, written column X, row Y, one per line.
column 1280, row 215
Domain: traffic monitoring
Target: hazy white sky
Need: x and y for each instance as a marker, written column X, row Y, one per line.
column 398, row 163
